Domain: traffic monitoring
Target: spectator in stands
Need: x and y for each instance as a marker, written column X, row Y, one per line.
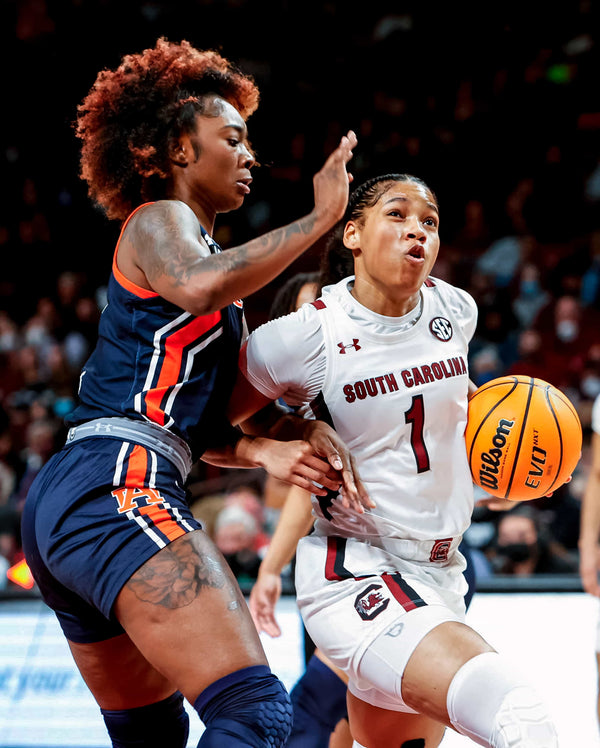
column 240, row 539
column 523, row 546
column 531, row 296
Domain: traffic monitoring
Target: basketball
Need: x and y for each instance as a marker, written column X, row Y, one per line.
column 523, row 437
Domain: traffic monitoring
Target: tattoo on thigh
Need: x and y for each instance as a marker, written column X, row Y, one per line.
column 176, row 575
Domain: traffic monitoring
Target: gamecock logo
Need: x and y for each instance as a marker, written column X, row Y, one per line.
column 440, row 549
column 370, row 603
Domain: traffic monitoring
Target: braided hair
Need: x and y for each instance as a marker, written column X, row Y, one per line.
column 337, row 261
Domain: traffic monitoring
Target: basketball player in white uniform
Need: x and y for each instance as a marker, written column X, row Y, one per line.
column 589, row 535
column 382, row 356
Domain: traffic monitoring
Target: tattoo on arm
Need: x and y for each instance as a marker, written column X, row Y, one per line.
column 163, row 249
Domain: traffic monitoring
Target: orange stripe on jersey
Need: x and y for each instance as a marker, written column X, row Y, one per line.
column 170, row 371
column 163, row 521
column 128, row 285
column 137, row 468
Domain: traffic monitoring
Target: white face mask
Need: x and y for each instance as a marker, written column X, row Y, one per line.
column 566, row 330
column 590, row 386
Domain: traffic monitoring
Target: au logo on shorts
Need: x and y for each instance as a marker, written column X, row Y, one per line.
column 370, row 603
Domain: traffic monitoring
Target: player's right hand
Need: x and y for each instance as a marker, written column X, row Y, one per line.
column 263, row 599
column 331, row 183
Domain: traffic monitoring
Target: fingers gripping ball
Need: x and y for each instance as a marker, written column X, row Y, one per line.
column 523, row 437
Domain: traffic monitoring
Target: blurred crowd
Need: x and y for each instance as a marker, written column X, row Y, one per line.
column 503, row 124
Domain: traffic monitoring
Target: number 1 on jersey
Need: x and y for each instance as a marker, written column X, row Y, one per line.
column 415, row 415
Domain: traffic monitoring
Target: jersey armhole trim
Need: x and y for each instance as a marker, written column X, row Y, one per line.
column 122, row 280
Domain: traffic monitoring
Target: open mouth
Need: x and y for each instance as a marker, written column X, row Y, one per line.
column 417, row 252
column 245, row 184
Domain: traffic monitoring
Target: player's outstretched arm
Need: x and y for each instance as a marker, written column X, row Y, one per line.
column 295, row 521
column 169, row 249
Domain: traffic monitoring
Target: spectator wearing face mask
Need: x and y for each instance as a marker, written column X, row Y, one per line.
column 567, row 333
column 531, row 296
column 524, row 547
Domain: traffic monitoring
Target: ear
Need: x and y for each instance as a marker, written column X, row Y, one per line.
column 179, row 149
column 351, row 236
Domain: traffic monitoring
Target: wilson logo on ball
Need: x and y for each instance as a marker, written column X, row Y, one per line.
column 490, row 467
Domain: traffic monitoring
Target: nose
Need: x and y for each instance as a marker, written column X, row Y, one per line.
column 414, row 230
column 247, row 157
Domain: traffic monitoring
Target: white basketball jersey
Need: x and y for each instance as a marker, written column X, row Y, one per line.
column 397, row 396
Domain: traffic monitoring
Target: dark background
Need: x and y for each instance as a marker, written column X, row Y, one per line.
column 495, row 105
column 474, row 98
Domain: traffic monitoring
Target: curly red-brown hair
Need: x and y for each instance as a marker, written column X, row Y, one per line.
column 131, row 114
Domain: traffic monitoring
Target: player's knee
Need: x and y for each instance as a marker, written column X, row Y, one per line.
column 494, row 707
column 155, row 725
column 249, row 707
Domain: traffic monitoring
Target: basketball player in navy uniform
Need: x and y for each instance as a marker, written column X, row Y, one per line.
column 382, row 356
column 150, row 609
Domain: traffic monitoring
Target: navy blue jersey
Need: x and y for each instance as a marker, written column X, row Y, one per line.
column 156, row 362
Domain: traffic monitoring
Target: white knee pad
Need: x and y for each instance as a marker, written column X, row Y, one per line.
column 493, row 706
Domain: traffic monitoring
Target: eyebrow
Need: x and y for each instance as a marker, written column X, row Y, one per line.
column 234, row 126
column 432, row 206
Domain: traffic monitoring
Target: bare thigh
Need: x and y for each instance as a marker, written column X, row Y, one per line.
column 435, row 662
column 187, row 625
column 375, row 727
column 118, row 675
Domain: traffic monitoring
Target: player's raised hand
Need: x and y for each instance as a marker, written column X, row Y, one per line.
column 331, row 183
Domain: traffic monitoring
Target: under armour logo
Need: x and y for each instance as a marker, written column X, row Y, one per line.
column 354, row 344
column 102, row 427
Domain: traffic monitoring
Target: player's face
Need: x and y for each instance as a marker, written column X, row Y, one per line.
column 220, row 175
column 398, row 244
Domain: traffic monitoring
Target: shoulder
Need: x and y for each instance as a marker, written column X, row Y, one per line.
column 459, row 300
column 161, row 211
column 285, row 356
column 292, row 328
column 162, row 220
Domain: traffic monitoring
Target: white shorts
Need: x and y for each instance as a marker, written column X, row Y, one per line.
column 369, row 626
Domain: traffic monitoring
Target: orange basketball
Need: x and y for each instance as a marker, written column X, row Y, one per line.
column 523, row 437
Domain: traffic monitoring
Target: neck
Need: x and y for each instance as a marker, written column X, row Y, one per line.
column 204, row 212
column 380, row 300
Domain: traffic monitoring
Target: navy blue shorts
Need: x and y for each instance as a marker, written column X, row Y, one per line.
column 96, row 512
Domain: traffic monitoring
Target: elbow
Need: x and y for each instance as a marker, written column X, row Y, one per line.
column 202, row 301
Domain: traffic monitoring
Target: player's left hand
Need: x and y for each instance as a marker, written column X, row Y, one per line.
column 263, row 598
column 327, row 443
column 295, row 462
